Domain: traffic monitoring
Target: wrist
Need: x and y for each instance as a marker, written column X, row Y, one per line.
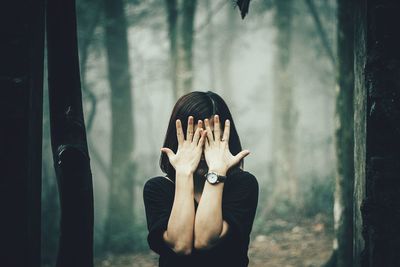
column 183, row 172
column 219, row 171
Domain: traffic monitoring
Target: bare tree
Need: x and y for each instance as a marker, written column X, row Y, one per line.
column 181, row 16
column 119, row 224
column 377, row 133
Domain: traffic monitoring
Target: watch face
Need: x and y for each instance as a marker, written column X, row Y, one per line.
column 212, row 178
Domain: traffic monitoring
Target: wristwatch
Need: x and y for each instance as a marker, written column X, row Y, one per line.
column 214, row 178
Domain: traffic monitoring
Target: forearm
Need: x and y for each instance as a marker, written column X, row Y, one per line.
column 179, row 234
column 208, row 221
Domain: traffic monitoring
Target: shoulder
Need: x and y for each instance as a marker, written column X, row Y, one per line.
column 243, row 179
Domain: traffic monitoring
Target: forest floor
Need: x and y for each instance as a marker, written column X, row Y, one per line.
column 302, row 243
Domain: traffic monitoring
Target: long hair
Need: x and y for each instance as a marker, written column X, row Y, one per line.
column 200, row 105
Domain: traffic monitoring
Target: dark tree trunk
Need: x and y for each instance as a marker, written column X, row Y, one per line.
column 68, row 137
column 343, row 207
column 185, row 47
column 181, row 17
column 377, row 133
column 21, row 83
column 119, row 224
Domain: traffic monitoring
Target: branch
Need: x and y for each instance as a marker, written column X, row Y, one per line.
column 96, row 156
column 321, row 31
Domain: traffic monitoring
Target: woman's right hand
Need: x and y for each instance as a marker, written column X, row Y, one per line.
column 189, row 151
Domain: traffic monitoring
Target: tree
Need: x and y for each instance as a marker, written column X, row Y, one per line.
column 284, row 112
column 68, row 137
column 377, row 133
column 21, row 82
column 119, row 224
column 180, row 18
column 344, row 188
column 226, row 52
column 210, row 44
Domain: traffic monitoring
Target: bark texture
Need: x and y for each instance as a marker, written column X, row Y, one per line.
column 68, row 137
column 343, row 206
column 21, row 83
column 377, row 133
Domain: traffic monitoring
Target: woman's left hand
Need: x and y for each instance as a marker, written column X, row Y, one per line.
column 217, row 154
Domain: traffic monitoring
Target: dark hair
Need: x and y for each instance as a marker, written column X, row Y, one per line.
column 200, row 105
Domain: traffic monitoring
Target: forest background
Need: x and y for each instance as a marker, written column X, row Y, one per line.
column 277, row 72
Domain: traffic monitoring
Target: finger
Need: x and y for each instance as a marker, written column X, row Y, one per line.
column 197, row 133
column 167, row 151
column 240, row 156
column 217, row 129
column 203, row 138
column 227, row 129
column 189, row 132
column 179, row 132
column 209, row 132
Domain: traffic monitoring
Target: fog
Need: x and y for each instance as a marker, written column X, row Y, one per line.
column 244, row 74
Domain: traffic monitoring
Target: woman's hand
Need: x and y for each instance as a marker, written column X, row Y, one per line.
column 218, row 156
column 189, row 151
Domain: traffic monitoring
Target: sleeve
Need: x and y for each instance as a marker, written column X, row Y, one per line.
column 239, row 205
column 158, row 205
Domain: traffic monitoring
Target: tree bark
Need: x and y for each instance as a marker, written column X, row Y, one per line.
column 343, row 205
column 377, row 133
column 68, row 137
column 21, row 83
column 119, row 224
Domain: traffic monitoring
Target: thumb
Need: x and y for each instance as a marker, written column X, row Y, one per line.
column 240, row 156
column 167, row 151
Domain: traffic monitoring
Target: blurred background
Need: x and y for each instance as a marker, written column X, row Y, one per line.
column 276, row 71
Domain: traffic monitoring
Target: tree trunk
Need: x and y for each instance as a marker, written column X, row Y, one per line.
column 181, row 17
column 172, row 20
column 226, row 53
column 284, row 113
column 21, row 83
column 210, row 46
column 343, row 205
column 88, row 15
column 377, row 133
column 68, row 137
column 119, row 224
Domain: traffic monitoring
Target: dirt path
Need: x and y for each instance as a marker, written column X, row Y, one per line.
column 302, row 244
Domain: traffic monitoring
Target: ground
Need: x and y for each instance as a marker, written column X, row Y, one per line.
column 304, row 243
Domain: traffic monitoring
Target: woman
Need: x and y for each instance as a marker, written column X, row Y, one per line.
column 201, row 213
